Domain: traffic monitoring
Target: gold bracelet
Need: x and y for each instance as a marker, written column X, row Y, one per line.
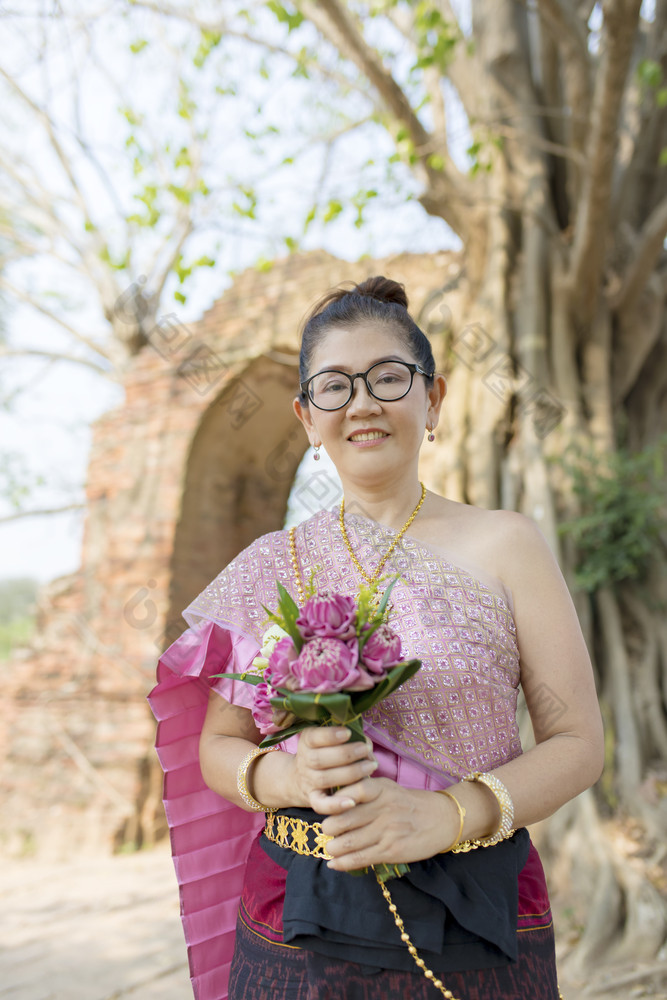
column 462, row 815
column 242, row 779
column 505, row 803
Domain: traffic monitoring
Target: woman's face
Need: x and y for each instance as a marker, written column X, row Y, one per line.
column 368, row 439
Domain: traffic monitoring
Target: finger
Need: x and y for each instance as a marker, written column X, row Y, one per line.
column 326, row 757
column 344, row 799
column 324, row 736
column 342, row 777
column 361, row 856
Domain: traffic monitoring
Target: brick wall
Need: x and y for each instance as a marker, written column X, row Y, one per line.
column 196, row 463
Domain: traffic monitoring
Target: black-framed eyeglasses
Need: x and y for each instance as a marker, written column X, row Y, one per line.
column 385, row 380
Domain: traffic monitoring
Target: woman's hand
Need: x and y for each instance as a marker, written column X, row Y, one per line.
column 390, row 824
column 325, row 759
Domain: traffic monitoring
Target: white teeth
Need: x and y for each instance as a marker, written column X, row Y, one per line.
column 371, row 436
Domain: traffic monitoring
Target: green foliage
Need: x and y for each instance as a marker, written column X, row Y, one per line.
column 148, row 197
column 333, row 210
column 17, row 620
column 623, row 513
column 649, row 73
column 17, row 482
column 17, row 596
column 186, row 105
column 15, row 634
column 652, row 80
column 292, row 18
column 183, row 270
column 436, row 39
column 208, row 41
column 247, row 210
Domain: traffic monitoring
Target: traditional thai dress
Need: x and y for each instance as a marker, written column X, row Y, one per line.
column 487, row 930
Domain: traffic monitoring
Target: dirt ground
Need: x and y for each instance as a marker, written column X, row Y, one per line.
column 108, row 928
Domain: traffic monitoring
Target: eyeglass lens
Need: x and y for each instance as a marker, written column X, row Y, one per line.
column 387, row 380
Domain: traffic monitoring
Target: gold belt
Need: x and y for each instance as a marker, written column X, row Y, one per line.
column 297, row 835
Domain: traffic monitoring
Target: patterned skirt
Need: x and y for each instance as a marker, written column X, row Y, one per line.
column 264, row 970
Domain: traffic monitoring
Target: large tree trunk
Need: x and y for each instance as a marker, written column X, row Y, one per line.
column 571, row 354
column 561, row 348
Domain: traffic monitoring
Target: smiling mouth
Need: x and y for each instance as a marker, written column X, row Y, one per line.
column 368, row 436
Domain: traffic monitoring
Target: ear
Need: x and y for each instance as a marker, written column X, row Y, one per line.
column 304, row 416
column 435, row 396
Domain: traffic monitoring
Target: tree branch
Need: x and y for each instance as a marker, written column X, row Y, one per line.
column 649, row 247
column 571, row 37
column 53, row 139
column 335, row 23
column 42, row 512
column 31, row 352
column 220, row 25
column 24, row 297
column 589, row 245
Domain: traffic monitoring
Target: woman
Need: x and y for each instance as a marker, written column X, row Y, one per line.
column 481, row 601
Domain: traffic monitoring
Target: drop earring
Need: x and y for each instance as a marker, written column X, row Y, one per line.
column 316, row 450
column 431, row 435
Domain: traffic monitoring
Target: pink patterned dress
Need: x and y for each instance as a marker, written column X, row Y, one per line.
column 456, row 715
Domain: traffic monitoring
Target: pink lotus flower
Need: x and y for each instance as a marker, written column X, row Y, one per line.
column 279, row 671
column 329, row 617
column 382, row 651
column 267, row 718
column 326, row 665
column 262, row 709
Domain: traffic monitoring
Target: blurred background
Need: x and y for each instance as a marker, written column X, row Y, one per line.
column 179, row 182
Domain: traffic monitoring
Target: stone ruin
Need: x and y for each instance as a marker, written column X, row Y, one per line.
column 197, row 462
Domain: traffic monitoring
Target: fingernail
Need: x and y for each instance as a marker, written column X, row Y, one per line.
column 368, row 766
column 342, row 734
column 347, row 803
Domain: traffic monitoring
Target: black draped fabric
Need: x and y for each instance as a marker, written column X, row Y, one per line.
column 460, row 910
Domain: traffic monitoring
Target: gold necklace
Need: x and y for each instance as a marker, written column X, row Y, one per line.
column 294, row 559
column 370, row 580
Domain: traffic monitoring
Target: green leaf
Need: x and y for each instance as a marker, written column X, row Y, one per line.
column 402, row 672
column 310, row 217
column 284, row 734
column 334, row 209
column 180, row 297
column 253, row 679
column 293, row 19
column 137, row 46
column 183, row 158
column 131, row 116
column 649, row 73
column 436, row 162
column 208, row 41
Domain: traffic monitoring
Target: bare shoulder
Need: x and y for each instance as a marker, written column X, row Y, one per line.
column 506, row 543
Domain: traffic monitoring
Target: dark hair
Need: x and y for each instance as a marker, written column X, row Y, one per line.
column 376, row 299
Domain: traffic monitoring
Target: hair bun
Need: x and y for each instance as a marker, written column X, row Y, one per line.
column 383, row 289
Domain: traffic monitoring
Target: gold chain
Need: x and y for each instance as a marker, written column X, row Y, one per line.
column 370, row 580
column 405, row 938
column 294, row 559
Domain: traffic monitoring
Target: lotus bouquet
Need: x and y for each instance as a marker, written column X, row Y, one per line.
column 325, row 663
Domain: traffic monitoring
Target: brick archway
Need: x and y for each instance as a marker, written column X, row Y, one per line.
column 238, row 477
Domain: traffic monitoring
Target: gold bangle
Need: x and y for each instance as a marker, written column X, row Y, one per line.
column 505, row 804
column 242, row 779
column 462, row 815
